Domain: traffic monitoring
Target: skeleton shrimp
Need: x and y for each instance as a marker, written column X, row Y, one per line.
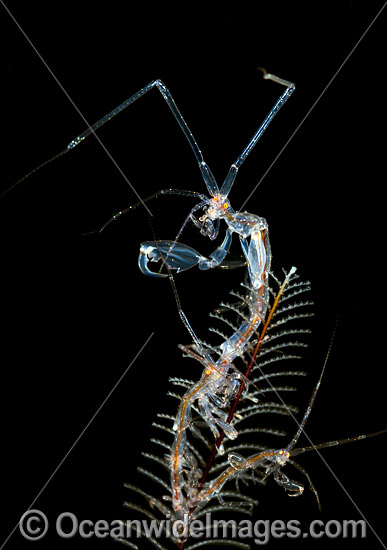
column 271, row 462
column 214, row 393
column 252, row 229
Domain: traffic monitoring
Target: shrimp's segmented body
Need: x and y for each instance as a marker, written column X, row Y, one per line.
column 219, row 386
column 213, row 393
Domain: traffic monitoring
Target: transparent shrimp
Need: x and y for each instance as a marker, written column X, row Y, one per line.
column 219, row 387
column 271, row 462
column 252, row 229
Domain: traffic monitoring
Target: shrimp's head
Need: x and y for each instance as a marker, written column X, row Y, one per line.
column 282, row 457
column 218, row 207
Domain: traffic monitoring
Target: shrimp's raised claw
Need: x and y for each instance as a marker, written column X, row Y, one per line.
column 174, row 255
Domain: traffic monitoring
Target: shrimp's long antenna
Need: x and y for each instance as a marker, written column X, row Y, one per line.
column 181, row 192
column 313, row 396
column 55, row 157
column 335, row 442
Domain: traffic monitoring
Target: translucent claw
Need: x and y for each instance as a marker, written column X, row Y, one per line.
column 174, row 255
column 148, row 253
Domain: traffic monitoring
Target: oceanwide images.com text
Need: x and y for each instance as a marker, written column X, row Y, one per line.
column 34, row 525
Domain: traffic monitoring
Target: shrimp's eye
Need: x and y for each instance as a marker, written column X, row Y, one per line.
column 281, row 452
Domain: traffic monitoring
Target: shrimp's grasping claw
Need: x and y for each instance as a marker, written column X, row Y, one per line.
column 174, row 255
column 148, row 252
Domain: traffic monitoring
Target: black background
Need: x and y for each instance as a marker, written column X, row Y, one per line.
column 75, row 308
